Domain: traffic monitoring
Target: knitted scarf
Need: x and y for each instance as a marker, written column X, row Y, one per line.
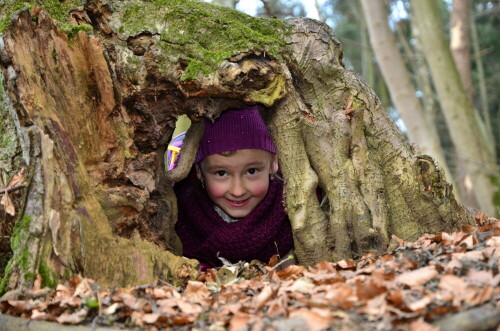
column 204, row 234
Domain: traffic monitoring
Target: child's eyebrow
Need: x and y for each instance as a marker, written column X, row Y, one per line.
column 256, row 163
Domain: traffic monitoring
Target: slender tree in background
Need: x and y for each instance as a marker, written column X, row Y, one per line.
column 460, row 43
column 481, row 82
column 398, row 80
column 226, row 3
column 470, row 141
column 280, row 8
column 350, row 27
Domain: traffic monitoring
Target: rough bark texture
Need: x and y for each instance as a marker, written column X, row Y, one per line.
column 98, row 109
column 471, row 142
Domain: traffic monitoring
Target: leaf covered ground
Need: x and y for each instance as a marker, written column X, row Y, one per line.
column 435, row 282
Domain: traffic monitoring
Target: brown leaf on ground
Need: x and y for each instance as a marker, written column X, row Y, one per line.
column 291, row 272
column 17, row 179
column 455, row 285
column 408, row 289
column 239, row 321
column 314, row 320
column 421, row 325
column 417, row 277
column 74, row 318
column 8, row 205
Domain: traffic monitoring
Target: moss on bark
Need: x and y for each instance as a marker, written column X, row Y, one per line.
column 58, row 10
column 200, row 34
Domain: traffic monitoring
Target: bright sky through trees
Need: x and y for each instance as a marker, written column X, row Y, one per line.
column 250, row 7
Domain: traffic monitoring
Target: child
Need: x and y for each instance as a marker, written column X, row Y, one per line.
column 230, row 205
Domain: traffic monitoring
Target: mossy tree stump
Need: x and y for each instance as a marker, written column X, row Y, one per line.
column 95, row 96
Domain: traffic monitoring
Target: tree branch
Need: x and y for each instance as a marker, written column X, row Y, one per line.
column 10, row 189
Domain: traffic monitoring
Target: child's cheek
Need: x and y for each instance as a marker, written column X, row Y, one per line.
column 215, row 190
column 260, row 189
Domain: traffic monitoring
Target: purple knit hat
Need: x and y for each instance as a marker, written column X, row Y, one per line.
column 235, row 129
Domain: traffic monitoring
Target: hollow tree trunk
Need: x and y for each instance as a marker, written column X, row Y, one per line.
column 98, row 109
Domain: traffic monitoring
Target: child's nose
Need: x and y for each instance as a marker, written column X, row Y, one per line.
column 237, row 188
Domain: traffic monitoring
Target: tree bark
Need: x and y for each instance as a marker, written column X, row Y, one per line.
column 469, row 139
column 398, row 80
column 460, row 43
column 99, row 107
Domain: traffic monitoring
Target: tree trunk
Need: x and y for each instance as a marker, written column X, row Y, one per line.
column 483, row 93
column 460, row 43
column 398, row 80
column 99, row 107
column 469, row 139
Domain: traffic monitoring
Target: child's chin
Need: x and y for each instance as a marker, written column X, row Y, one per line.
column 237, row 214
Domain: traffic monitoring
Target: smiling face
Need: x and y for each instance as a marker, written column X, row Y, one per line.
column 237, row 183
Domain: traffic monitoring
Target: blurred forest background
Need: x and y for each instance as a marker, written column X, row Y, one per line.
column 435, row 65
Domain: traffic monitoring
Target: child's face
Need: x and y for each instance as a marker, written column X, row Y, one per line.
column 237, row 183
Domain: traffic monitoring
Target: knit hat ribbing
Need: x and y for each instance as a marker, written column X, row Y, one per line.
column 235, row 129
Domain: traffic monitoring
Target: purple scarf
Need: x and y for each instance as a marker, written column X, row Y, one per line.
column 261, row 234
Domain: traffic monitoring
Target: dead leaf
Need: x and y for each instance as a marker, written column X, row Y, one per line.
column 480, row 277
column 196, row 291
column 341, row 295
column 477, row 296
column 150, row 318
column 454, row 285
column 239, row 321
column 37, row 285
column 17, row 179
column 347, row 264
column 38, row 315
column 324, row 277
column 8, row 205
column 278, row 306
column 111, row 309
column 265, row 295
column 73, row 318
column 376, row 307
column 417, row 277
column 189, row 308
column 315, row 321
column 422, row 325
column 292, row 271
column 420, row 304
column 303, row 285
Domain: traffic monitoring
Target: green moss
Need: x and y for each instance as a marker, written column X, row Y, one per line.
column 22, row 257
column 57, row 9
column 8, row 9
column 20, row 231
column 134, row 60
column 5, row 280
column 72, row 30
column 202, row 34
column 49, row 278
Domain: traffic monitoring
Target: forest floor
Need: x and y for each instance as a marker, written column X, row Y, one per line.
column 447, row 281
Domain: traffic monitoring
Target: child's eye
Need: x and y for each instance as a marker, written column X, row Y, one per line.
column 220, row 173
column 252, row 171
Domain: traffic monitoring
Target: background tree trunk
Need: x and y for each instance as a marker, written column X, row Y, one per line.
column 420, row 130
column 469, row 138
column 98, row 109
column 460, row 43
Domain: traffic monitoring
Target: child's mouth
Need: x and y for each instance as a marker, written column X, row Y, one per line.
column 238, row 204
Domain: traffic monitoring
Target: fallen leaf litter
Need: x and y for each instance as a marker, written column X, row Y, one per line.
column 408, row 289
